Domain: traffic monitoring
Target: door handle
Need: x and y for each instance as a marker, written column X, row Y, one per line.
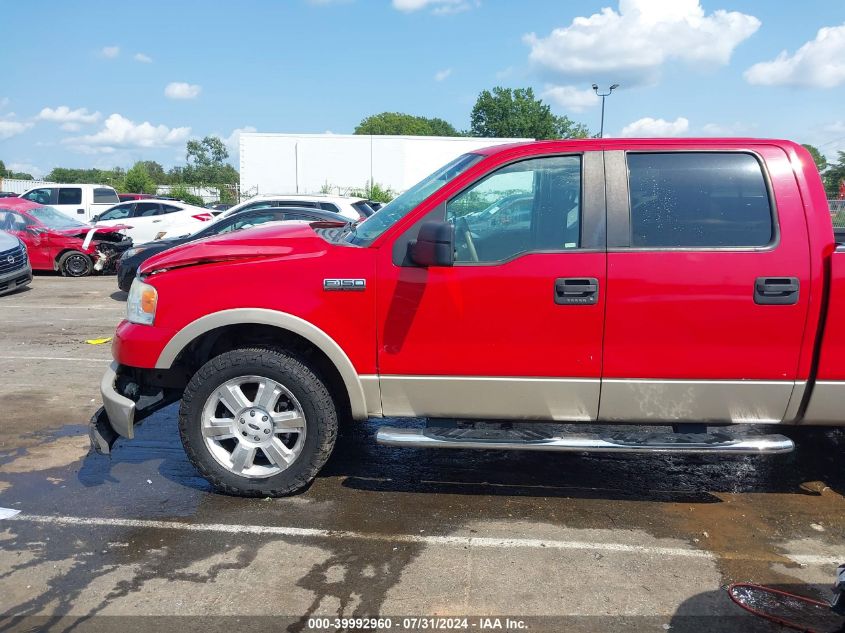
column 576, row 291
column 783, row 291
column 80, row 211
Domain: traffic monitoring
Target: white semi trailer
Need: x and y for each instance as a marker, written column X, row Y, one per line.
column 310, row 163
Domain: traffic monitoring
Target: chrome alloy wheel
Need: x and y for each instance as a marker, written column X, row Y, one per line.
column 253, row 426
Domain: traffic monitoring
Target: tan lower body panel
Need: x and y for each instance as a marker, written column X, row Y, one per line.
column 662, row 401
column 827, row 404
column 558, row 399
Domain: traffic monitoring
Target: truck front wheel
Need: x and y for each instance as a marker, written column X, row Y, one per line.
column 257, row 422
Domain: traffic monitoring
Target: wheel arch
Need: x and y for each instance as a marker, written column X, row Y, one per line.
column 248, row 325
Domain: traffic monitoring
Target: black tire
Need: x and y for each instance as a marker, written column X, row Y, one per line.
column 306, row 385
column 75, row 264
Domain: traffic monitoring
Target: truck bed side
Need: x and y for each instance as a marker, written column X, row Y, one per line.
column 826, row 404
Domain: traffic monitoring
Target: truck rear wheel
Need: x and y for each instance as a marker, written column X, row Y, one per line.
column 257, row 422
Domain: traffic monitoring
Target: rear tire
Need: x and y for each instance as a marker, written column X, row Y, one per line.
column 257, row 423
column 75, row 264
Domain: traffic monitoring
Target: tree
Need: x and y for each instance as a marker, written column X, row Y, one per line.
column 517, row 113
column 112, row 177
column 834, row 175
column 206, row 163
column 155, row 170
column 818, row 157
column 399, row 124
column 138, row 180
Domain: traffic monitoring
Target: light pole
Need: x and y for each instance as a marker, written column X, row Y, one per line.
column 603, row 96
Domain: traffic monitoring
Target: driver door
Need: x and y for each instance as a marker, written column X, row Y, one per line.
column 514, row 329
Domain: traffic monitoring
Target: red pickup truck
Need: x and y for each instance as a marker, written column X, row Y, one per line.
column 683, row 284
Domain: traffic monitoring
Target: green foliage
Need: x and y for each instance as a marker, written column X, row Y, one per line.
column 138, row 180
column 371, row 191
column 113, row 177
column 180, row 192
column 226, row 195
column 517, row 113
column 834, row 175
column 399, row 124
column 818, row 157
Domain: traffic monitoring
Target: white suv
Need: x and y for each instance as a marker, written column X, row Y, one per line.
column 152, row 219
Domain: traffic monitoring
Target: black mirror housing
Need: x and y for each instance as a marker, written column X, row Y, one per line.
column 434, row 246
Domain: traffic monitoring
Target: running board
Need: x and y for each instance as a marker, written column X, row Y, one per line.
column 532, row 440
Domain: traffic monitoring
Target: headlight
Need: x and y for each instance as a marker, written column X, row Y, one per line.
column 23, row 245
column 133, row 251
column 141, row 303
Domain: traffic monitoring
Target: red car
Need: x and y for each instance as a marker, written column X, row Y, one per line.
column 678, row 283
column 56, row 242
column 126, row 197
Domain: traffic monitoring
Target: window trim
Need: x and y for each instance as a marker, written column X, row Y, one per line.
column 623, row 189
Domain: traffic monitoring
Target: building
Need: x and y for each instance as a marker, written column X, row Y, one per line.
column 339, row 163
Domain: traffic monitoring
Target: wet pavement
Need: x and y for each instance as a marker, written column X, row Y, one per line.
column 604, row 542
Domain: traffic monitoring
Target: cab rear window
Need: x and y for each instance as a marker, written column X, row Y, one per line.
column 105, row 195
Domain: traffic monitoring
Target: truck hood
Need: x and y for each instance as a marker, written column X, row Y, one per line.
column 272, row 242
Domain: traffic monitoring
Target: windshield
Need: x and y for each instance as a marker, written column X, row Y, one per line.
column 392, row 212
column 49, row 217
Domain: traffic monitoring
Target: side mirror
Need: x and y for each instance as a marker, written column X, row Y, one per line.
column 434, row 246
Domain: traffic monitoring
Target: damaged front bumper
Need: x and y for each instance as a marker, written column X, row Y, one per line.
column 128, row 398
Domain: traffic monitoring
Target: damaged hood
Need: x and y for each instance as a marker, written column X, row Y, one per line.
column 290, row 239
column 87, row 233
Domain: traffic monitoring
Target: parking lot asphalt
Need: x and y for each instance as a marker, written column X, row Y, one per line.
column 648, row 541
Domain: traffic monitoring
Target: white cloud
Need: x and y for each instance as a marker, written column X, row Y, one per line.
column 442, row 75
column 648, row 126
column 8, row 128
column 110, row 52
column 141, row 57
column 820, row 63
column 438, row 7
column 570, row 97
column 234, row 139
column 182, row 90
column 64, row 114
column 118, row 131
column 631, row 45
column 71, row 127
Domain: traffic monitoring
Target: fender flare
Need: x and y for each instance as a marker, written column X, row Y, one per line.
column 282, row 320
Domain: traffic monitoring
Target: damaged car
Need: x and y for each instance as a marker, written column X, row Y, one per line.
column 56, row 242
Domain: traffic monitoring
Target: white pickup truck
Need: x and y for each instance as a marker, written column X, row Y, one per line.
column 77, row 201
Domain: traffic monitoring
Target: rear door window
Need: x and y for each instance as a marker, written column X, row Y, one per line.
column 699, row 200
column 169, row 208
column 146, row 209
column 70, row 195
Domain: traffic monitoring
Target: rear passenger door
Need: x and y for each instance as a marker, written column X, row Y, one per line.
column 707, row 286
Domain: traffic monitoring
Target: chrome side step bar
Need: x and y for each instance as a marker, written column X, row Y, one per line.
column 515, row 439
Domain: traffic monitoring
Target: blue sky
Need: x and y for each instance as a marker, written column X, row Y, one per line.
column 100, row 84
